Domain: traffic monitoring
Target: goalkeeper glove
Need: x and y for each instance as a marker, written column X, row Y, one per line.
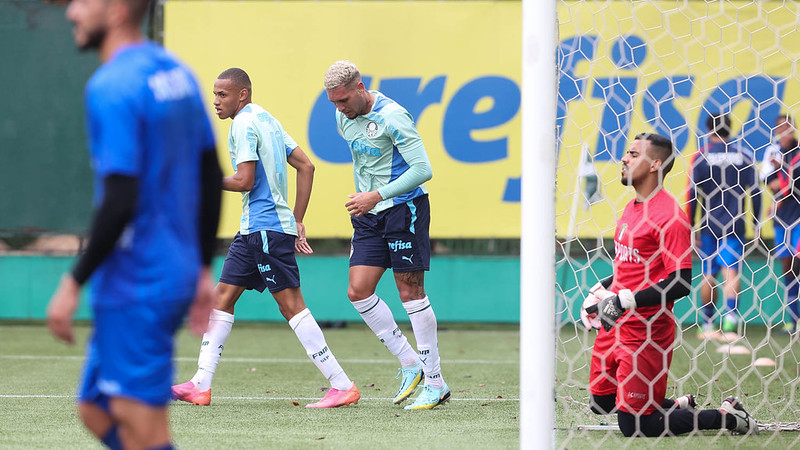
column 611, row 308
column 596, row 293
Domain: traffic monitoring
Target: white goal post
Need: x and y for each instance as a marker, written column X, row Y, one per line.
column 537, row 280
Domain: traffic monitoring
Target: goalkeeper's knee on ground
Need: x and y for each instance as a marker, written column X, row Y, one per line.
column 603, row 404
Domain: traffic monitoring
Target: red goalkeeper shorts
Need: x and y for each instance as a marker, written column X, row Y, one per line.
column 632, row 360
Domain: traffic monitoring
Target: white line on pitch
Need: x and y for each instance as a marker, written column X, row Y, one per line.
column 284, row 398
column 274, row 360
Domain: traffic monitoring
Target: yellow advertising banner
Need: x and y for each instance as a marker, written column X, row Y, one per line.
column 632, row 67
column 455, row 66
column 625, row 68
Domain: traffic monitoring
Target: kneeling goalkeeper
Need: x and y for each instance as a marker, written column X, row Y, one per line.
column 652, row 268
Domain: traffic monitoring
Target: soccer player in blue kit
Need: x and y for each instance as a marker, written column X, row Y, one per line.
column 262, row 255
column 390, row 215
column 723, row 176
column 157, row 196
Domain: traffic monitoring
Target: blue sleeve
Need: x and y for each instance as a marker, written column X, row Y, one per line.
column 208, row 140
column 115, row 130
column 406, row 138
column 289, row 144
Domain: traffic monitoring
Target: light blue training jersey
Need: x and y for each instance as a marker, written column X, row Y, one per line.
column 382, row 143
column 257, row 136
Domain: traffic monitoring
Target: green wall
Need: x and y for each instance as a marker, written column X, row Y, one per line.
column 462, row 289
column 44, row 162
column 44, row 158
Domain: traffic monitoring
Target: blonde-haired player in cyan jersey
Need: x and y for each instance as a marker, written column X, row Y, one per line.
column 390, row 215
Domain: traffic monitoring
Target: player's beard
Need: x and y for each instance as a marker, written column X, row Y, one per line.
column 94, row 38
column 625, row 177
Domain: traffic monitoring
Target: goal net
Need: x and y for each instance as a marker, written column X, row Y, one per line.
column 665, row 67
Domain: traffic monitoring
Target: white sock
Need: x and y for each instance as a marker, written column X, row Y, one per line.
column 423, row 321
column 379, row 319
column 310, row 335
column 219, row 328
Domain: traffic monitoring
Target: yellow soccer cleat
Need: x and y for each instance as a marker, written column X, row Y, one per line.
column 411, row 378
column 430, row 397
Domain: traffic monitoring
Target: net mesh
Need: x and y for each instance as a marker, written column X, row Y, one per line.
column 665, row 67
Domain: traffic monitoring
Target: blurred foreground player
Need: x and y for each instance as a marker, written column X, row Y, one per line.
column 652, row 269
column 157, row 196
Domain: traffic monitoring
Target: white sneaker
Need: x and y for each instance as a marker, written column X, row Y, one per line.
column 745, row 424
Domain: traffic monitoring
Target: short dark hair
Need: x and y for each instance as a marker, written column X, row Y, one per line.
column 719, row 124
column 239, row 78
column 784, row 117
column 137, row 9
column 661, row 149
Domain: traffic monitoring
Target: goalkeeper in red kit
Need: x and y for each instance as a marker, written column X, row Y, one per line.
column 633, row 308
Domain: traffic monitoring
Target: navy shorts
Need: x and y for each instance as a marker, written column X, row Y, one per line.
column 130, row 353
column 718, row 253
column 394, row 238
column 261, row 260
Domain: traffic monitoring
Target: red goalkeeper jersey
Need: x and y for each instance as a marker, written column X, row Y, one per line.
column 652, row 240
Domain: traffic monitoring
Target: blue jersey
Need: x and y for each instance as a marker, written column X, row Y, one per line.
column 724, row 175
column 146, row 120
column 257, row 136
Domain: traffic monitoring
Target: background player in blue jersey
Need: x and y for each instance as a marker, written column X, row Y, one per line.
column 262, row 255
column 723, row 176
column 777, row 170
column 390, row 215
column 157, row 194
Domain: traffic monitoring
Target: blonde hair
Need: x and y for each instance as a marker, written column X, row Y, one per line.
column 341, row 73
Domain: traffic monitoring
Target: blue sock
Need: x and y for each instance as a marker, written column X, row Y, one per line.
column 111, row 439
column 731, row 304
column 707, row 313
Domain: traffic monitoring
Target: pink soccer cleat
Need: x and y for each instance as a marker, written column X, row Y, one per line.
column 335, row 398
column 187, row 392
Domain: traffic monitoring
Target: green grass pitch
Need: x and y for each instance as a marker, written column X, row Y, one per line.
column 264, row 372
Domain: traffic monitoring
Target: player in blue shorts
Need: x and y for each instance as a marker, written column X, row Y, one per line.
column 262, row 255
column 157, row 196
column 390, row 215
column 723, row 176
column 777, row 171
